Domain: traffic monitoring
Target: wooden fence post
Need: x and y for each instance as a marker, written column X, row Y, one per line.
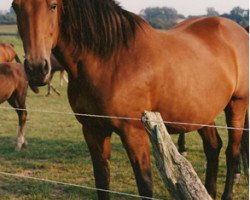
column 177, row 173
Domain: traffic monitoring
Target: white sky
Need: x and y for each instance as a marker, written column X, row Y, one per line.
column 186, row 7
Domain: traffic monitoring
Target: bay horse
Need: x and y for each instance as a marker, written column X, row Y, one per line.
column 8, row 53
column 118, row 65
column 13, row 88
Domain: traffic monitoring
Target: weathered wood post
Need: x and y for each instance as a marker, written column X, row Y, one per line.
column 177, row 173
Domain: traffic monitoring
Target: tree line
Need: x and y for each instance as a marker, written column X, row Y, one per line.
column 162, row 17
column 7, row 17
column 165, row 17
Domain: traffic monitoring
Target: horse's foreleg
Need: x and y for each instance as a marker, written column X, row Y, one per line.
column 137, row 146
column 212, row 144
column 19, row 104
column 99, row 147
column 235, row 117
column 21, row 141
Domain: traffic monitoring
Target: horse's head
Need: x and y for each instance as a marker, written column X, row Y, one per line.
column 38, row 25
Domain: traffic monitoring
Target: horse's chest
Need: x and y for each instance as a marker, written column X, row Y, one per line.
column 84, row 99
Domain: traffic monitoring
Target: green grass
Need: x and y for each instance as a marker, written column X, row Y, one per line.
column 57, row 151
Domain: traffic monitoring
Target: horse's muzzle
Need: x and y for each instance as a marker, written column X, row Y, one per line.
column 37, row 73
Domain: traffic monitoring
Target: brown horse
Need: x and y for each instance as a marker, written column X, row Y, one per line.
column 7, row 53
column 13, row 88
column 190, row 74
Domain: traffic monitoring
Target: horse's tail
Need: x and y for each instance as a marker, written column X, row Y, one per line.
column 17, row 59
column 34, row 89
column 245, row 145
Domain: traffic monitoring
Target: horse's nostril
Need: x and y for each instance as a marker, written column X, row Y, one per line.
column 45, row 68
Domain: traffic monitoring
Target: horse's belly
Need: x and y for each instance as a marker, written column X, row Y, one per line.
column 5, row 95
column 192, row 115
column 6, row 89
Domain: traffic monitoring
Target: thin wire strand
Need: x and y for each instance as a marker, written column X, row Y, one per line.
column 102, row 117
column 74, row 185
column 123, row 118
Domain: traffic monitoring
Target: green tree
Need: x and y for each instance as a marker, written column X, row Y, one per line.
column 161, row 18
column 8, row 18
column 212, row 12
column 239, row 15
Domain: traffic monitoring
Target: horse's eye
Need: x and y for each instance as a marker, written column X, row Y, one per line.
column 53, row 7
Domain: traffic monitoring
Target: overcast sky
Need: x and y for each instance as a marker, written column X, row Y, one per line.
column 186, row 7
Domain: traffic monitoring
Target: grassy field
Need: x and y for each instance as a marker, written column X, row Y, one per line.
column 57, row 151
column 8, row 30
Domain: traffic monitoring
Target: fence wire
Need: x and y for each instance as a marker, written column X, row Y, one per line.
column 124, row 118
column 103, row 117
column 74, row 185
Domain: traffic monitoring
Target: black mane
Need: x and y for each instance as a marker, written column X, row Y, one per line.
column 97, row 25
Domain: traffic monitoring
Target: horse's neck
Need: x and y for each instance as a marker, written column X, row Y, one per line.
column 89, row 81
column 85, row 64
column 97, row 67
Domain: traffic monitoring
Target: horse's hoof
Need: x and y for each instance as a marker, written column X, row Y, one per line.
column 18, row 147
column 184, row 154
column 237, row 178
column 21, row 144
column 25, row 144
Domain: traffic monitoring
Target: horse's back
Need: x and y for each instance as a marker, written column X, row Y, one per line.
column 7, row 52
column 229, row 34
column 217, row 40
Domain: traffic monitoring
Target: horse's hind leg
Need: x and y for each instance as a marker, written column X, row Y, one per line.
column 245, row 145
column 49, row 89
column 136, row 143
column 181, row 144
column 19, row 104
column 235, row 117
column 55, row 90
column 63, row 77
column 212, row 144
column 50, row 86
